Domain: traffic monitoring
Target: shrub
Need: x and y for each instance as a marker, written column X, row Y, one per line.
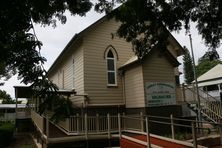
column 6, row 133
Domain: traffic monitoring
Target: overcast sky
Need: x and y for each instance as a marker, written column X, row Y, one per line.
column 55, row 39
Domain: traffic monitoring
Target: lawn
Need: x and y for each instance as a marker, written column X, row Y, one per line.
column 22, row 141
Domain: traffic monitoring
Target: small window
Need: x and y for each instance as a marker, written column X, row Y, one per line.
column 60, row 78
column 73, row 73
column 111, row 69
column 63, row 77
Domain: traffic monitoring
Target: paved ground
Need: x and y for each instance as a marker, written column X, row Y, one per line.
column 22, row 141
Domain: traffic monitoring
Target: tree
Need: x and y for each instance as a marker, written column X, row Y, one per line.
column 6, row 98
column 19, row 47
column 143, row 21
column 207, row 61
column 143, row 24
column 211, row 55
column 206, row 65
column 188, row 67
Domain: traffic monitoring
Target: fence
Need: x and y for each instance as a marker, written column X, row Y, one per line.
column 38, row 120
column 90, row 124
column 144, row 124
column 7, row 117
column 210, row 107
column 108, row 125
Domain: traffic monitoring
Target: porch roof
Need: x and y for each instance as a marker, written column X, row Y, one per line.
column 132, row 60
column 23, row 92
column 210, row 82
column 26, row 91
column 213, row 76
column 135, row 59
column 8, row 106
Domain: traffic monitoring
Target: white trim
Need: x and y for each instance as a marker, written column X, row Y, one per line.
column 73, row 73
column 115, row 69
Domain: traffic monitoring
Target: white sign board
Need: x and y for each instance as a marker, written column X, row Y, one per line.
column 160, row 93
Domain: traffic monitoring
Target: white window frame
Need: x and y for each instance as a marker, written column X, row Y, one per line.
column 115, row 71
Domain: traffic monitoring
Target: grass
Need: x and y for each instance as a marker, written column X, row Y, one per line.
column 6, row 133
column 22, row 141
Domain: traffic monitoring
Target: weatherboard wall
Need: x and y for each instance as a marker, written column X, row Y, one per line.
column 96, row 40
column 62, row 74
column 134, row 87
column 157, row 68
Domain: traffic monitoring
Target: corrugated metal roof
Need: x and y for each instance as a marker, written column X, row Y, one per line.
column 2, row 106
column 213, row 73
column 211, row 82
column 130, row 61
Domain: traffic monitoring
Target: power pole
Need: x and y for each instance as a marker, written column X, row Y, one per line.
column 196, row 84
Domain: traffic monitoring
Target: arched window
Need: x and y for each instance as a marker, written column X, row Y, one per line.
column 111, row 68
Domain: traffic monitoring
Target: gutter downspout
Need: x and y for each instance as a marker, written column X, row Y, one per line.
column 123, row 87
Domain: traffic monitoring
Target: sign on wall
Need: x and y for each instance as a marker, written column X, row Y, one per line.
column 160, row 93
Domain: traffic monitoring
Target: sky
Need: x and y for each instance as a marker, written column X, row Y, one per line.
column 55, row 39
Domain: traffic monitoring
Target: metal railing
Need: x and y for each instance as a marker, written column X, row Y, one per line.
column 211, row 108
column 90, row 124
column 144, row 124
column 108, row 125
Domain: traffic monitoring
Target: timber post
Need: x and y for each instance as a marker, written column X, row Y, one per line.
column 86, row 127
column 172, row 126
column 194, row 134
column 119, row 125
column 148, row 133
column 108, row 124
column 141, row 122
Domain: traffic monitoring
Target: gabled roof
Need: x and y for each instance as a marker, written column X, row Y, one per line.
column 135, row 59
column 214, row 74
column 78, row 36
column 132, row 60
column 74, row 39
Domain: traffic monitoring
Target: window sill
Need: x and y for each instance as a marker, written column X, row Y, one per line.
column 112, row 86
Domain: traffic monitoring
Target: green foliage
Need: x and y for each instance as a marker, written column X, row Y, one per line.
column 206, row 65
column 18, row 46
column 143, row 24
column 143, row 20
column 207, row 61
column 210, row 56
column 51, row 101
column 62, row 108
column 188, row 67
column 6, row 133
column 6, row 98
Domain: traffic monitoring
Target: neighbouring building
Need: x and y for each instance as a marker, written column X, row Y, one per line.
column 210, row 82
